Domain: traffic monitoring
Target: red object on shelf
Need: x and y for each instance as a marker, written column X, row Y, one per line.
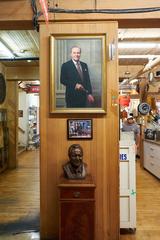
column 124, row 100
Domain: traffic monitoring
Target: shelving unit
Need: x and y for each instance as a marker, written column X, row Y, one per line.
column 152, row 157
column 33, row 136
column 4, row 140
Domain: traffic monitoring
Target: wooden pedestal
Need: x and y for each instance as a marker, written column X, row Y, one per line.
column 77, row 209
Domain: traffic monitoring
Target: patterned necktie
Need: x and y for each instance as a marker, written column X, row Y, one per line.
column 79, row 70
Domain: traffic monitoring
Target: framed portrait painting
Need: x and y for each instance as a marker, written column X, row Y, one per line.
column 78, row 73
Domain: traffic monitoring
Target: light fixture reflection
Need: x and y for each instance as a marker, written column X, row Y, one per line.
column 138, row 45
column 5, row 51
column 139, row 56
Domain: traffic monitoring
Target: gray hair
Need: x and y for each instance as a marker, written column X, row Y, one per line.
column 75, row 47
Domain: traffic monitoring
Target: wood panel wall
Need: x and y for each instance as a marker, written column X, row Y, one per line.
column 10, row 103
column 13, row 75
column 18, row 14
column 27, row 73
column 12, row 109
column 103, row 4
column 101, row 154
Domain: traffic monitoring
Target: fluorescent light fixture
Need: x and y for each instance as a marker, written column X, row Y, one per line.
column 5, row 51
column 138, row 45
column 22, row 51
column 138, row 56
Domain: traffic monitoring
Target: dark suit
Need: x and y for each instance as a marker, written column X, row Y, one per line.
column 70, row 77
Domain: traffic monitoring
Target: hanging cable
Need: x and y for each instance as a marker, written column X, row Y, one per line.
column 107, row 11
column 37, row 14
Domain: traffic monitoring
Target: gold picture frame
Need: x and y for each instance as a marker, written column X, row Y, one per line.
column 93, row 63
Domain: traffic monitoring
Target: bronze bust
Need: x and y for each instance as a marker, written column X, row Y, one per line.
column 75, row 168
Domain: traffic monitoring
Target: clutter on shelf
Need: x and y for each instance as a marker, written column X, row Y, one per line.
column 33, row 136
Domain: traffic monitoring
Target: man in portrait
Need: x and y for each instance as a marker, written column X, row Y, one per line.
column 75, row 77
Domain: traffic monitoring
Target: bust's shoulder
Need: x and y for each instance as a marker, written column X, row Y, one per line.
column 67, row 165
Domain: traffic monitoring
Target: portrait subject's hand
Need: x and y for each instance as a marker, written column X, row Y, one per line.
column 79, row 87
column 90, row 98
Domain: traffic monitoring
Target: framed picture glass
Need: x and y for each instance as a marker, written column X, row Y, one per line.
column 79, row 129
column 78, row 73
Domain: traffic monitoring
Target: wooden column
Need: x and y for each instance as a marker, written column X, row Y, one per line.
column 100, row 154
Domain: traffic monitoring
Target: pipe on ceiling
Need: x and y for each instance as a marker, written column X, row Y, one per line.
column 19, row 59
column 148, row 67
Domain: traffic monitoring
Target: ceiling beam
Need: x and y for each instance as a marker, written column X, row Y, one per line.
column 22, row 73
column 16, row 15
column 138, row 23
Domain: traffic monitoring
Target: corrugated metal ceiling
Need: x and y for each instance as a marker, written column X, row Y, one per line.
column 25, row 44
column 20, row 45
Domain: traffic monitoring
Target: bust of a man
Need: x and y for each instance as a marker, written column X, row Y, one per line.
column 75, row 168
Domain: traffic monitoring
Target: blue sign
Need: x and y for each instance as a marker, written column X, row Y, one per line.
column 123, row 156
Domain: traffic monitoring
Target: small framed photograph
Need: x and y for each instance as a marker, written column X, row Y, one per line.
column 79, row 129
